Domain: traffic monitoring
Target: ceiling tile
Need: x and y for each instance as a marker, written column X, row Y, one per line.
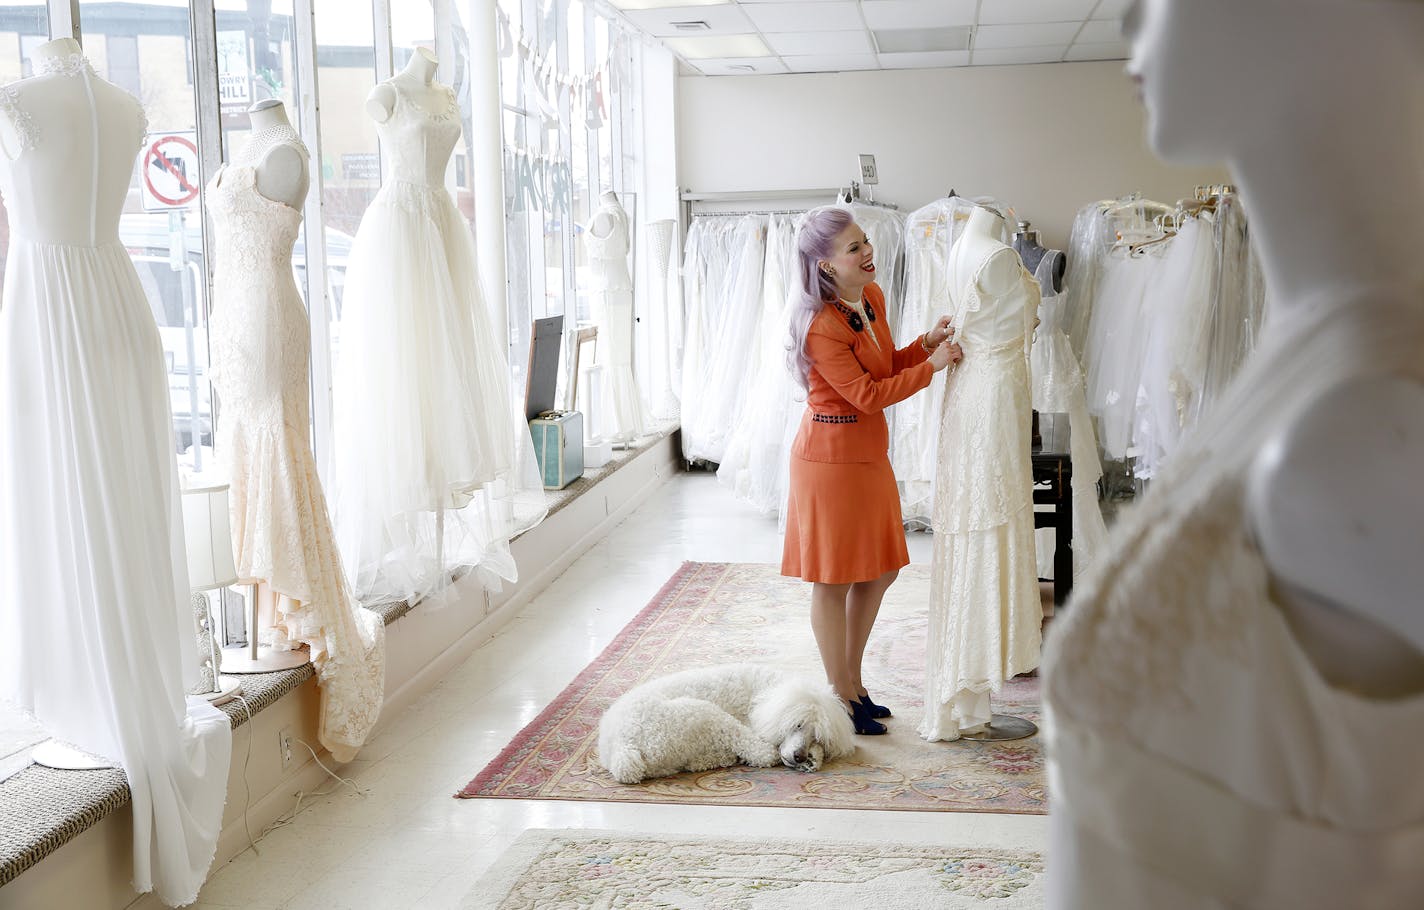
column 992, row 36
column 741, row 66
column 830, row 63
column 918, row 13
column 1112, row 9
column 723, row 20
column 1018, row 55
column 797, row 17
column 1013, row 12
column 804, row 44
column 710, row 47
column 1116, row 51
column 917, row 61
column 1106, row 31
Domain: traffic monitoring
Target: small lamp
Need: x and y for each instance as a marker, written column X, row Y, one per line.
column 207, row 533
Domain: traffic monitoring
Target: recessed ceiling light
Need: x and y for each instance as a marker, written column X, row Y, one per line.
column 663, row 4
column 742, row 67
column 692, row 25
column 922, row 40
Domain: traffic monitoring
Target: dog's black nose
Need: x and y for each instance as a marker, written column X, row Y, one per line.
column 800, row 756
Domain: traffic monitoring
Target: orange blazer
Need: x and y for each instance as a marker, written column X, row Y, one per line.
column 852, row 382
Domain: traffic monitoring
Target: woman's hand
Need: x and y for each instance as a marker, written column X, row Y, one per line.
column 945, row 354
column 942, row 332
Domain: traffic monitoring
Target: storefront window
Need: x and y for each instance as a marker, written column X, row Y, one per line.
column 144, row 48
column 22, row 27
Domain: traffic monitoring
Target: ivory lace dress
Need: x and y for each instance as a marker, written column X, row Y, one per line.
column 985, row 615
column 1197, row 759
column 282, row 535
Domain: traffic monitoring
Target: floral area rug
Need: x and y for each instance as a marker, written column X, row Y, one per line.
column 712, row 613
column 549, row 870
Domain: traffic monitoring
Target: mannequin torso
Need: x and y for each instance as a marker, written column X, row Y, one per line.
column 980, row 250
column 1032, row 253
column 282, row 170
column 80, row 121
column 417, row 78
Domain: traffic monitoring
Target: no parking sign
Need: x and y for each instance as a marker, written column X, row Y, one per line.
column 169, row 171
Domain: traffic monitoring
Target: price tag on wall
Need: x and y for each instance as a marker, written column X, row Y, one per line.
column 868, row 174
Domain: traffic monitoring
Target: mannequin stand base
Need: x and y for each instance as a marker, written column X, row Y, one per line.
column 1001, row 728
column 67, row 758
column 228, row 689
column 268, row 660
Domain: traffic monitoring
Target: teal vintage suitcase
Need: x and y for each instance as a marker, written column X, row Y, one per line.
column 558, row 446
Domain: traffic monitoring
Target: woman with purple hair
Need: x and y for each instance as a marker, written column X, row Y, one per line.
column 843, row 527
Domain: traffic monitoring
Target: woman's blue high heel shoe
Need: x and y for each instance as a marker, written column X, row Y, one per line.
column 876, row 711
column 865, row 725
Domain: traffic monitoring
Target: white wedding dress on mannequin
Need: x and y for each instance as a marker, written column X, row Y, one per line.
column 98, row 639
column 985, row 615
column 606, row 242
column 433, row 467
column 1057, row 387
column 261, row 351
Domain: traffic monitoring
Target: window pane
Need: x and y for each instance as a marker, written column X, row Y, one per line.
column 149, row 55
column 257, row 62
column 22, row 27
column 412, row 26
column 351, row 159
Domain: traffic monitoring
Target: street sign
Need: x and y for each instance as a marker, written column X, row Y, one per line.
column 169, row 171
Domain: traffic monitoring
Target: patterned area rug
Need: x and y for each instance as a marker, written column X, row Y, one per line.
column 548, row 870
column 712, row 613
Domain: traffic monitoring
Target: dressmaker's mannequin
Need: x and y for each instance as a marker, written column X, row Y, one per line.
column 420, row 71
column 1236, row 696
column 985, row 616
column 1333, row 497
column 282, row 171
column 619, row 415
column 980, row 243
column 1032, row 253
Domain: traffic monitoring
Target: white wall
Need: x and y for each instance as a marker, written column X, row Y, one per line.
column 1046, row 139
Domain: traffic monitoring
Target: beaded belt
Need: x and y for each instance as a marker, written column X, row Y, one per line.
column 834, row 418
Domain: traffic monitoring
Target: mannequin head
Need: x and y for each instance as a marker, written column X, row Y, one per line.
column 985, row 222
column 1223, row 78
column 268, row 112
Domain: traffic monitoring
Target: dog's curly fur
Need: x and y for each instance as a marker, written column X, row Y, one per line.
column 716, row 717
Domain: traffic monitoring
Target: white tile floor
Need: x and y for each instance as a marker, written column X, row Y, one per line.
column 408, row 843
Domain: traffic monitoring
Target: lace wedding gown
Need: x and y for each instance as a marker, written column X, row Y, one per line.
column 261, row 351
column 985, row 616
column 432, row 464
column 98, row 640
column 1197, row 758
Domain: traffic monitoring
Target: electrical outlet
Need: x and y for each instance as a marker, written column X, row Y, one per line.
column 284, row 745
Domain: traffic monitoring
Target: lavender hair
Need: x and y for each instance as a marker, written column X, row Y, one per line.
column 814, row 289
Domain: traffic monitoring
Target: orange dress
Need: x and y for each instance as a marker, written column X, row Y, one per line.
column 843, row 519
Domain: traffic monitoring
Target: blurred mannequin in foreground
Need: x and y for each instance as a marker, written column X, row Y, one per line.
column 1236, row 695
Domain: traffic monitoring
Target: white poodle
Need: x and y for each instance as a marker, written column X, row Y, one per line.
column 716, row 717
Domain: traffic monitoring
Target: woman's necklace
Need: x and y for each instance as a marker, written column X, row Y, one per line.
column 858, row 314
